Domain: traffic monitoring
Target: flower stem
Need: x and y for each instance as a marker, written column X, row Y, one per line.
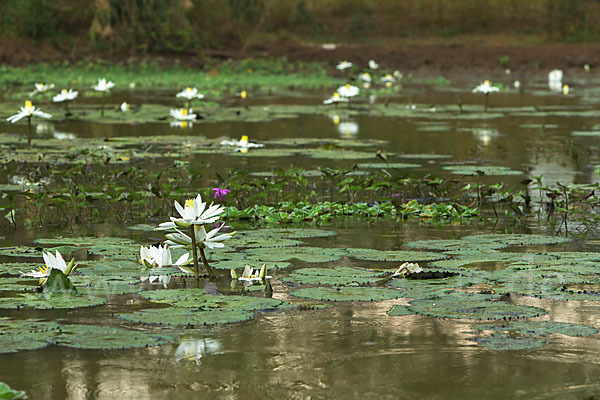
column 103, row 101
column 205, row 262
column 29, row 131
column 195, row 253
column 485, row 108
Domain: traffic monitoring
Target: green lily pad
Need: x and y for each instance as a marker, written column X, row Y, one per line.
column 399, row 311
column 197, row 299
column 142, row 227
column 336, row 154
column 29, row 334
column 9, row 394
column 506, row 240
column 188, row 317
column 107, row 337
column 387, row 165
column 486, row 169
column 43, row 301
column 393, row 255
column 25, row 251
column 337, row 276
column 586, row 133
column 432, row 288
column 424, row 156
column 472, row 306
column 347, row 293
column 540, row 328
column 85, row 241
column 237, row 264
column 306, row 254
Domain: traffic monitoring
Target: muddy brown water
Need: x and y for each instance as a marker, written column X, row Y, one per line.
column 351, row 350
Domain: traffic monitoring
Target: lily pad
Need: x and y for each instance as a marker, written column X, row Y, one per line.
column 540, row 328
column 393, row 255
column 486, row 169
column 501, row 341
column 337, row 276
column 472, row 306
column 306, row 254
column 43, row 301
column 107, row 337
column 424, row 156
column 398, row 311
column 387, row 165
column 29, row 334
column 188, row 317
column 25, row 251
column 506, row 240
column 197, row 299
column 347, row 293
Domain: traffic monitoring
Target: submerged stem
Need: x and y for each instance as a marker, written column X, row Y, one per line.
column 195, row 253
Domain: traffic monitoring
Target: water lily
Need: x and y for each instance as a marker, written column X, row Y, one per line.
column 243, row 94
column 219, row 193
column 41, row 88
column 555, row 75
column 251, row 275
column 183, row 114
column 335, row 98
column 209, row 240
column 124, row 107
column 242, row 145
column 28, row 111
column 388, row 80
column 373, row 64
column 181, row 124
column 195, row 212
column 342, row 65
column 348, row 91
column 365, row 77
column 486, row 88
column 397, row 74
column 64, row 97
column 586, row 68
column 190, row 93
column 565, row 89
column 103, row 86
column 51, row 262
column 160, row 257
column 407, row 269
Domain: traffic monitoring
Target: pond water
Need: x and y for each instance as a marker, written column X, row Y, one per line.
column 321, row 349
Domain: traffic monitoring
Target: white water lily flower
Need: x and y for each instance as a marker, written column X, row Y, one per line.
column 373, row 64
column 517, row 84
column 485, row 88
column 28, row 110
column 182, row 114
column 103, row 85
column 348, row 90
column 41, row 88
column 65, row 95
column 190, row 93
column 51, row 262
column 388, row 78
column 64, row 136
column 335, row 98
column 195, row 212
column 398, row 75
column 555, row 75
column 365, row 77
column 209, row 240
column 342, row 65
column 181, row 124
column 251, row 275
column 124, row 107
column 242, row 144
column 347, row 129
column 159, row 257
column 407, row 269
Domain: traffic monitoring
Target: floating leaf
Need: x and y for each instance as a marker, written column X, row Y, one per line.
column 337, row 276
column 188, row 317
column 393, row 255
column 398, row 311
column 472, row 306
column 388, row 165
column 347, row 293
column 500, row 341
column 43, row 301
column 107, row 337
column 307, row 254
column 486, row 169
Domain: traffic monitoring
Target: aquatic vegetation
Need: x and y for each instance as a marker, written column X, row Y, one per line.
column 342, row 65
column 347, row 293
column 103, row 86
column 220, row 193
column 64, row 97
column 41, row 88
column 242, row 145
column 183, row 114
column 28, row 111
column 190, row 93
column 486, row 88
column 407, row 269
column 52, row 262
column 160, row 257
column 7, row 393
column 336, row 276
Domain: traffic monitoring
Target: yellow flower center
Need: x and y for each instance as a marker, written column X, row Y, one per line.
column 487, row 82
column 347, row 86
column 244, row 139
column 336, row 95
column 28, row 104
column 336, row 119
column 243, row 94
column 64, row 91
column 565, row 89
column 184, row 111
column 184, row 124
column 189, row 203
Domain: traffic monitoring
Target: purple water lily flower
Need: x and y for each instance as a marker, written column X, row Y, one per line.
column 219, row 193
